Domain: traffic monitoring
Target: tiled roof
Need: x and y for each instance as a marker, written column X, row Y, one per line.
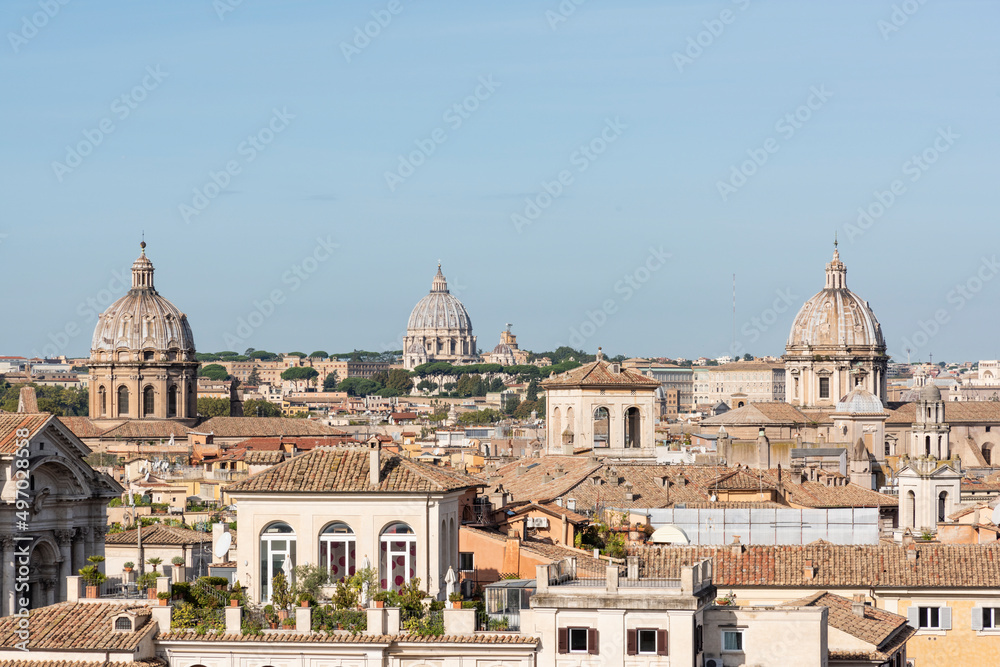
column 772, row 412
column 141, row 429
column 257, row 427
column 598, row 374
column 875, row 627
column 586, row 565
column 345, row 470
column 12, row 422
column 936, row 565
column 159, row 533
column 347, row 638
column 955, row 412
column 82, row 626
column 265, row 457
column 815, row 494
column 82, row 427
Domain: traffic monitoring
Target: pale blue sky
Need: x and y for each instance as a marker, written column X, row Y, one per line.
column 672, row 133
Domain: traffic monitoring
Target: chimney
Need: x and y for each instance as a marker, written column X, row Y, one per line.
column 858, row 605
column 911, row 552
column 808, row 571
column 736, row 547
column 374, row 463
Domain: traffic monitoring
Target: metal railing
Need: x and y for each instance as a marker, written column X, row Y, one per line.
column 507, row 621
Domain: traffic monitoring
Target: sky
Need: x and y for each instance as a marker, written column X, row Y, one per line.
column 594, row 173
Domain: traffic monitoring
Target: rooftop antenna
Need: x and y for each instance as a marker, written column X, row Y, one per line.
column 907, row 356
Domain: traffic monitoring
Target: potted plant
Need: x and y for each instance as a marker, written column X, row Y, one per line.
column 177, row 560
column 128, row 566
column 380, row 598
column 148, row 581
column 163, row 596
column 154, row 561
column 288, row 624
column 270, row 616
column 234, row 599
column 456, row 600
column 93, row 576
column 281, row 597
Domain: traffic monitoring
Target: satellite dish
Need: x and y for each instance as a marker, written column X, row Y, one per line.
column 996, row 515
column 222, row 545
column 146, row 478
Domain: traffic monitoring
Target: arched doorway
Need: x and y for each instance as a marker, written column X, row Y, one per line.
column 277, row 554
column 43, row 575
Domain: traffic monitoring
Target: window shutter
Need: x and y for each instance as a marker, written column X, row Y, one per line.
column 662, row 648
column 977, row 618
column 592, row 641
column 913, row 616
column 564, row 640
column 632, row 642
column 945, row 618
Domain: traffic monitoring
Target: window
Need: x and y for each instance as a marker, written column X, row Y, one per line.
column 147, row 401
column 732, row 640
column 122, row 401
column 929, row 618
column 123, row 624
column 986, row 618
column 466, row 562
column 397, row 556
column 277, row 554
column 337, row 550
column 578, row 640
column 172, row 401
column 646, row 641
column 824, row 387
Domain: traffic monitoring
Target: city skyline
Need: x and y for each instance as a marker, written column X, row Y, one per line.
column 702, row 140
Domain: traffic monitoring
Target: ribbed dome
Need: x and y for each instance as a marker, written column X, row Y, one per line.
column 142, row 320
column 504, row 349
column 930, row 392
column 836, row 316
column 439, row 310
column 860, row 402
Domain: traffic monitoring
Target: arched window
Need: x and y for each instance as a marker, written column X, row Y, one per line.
column 988, row 453
column 911, row 500
column 123, row 623
column 123, row 401
column 632, row 427
column 147, row 401
column 397, row 556
column 601, row 427
column 102, row 401
column 927, row 445
column 277, row 554
column 942, row 505
column 336, row 550
column 172, row 401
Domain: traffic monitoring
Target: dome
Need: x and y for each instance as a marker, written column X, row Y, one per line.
column 860, row 402
column 439, row 310
column 142, row 320
column 930, row 393
column 503, row 349
column 836, row 316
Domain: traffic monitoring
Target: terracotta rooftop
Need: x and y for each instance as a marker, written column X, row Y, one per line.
column 875, row 627
column 142, row 429
column 79, row 626
column 936, row 565
column 772, row 412
column 586, row 565
column 150, row 662
column 258, row 427
column 159, row 533
column 598, row 374
column 12, row 422
column 345, row 470
column 82, row 427
column 955, row 412
column 264, row 457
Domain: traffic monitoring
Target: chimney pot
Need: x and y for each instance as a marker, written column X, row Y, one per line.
column 374, row 464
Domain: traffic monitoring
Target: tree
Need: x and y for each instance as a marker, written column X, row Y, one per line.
column 427, row 385
column 256, row 407
column 299, row 373
column 249, row 351
column 263, row 355
column 484, row 416
column 300, row 355
column 213, row 407
column 355, row 386
column 330, row 383
column 214, row 372
column 319, row 354
column 254, row 378
column 747, row 357
column 510, row 403
column 532, row 393
column 400, row 381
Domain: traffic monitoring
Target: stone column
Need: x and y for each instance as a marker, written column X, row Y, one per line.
column 79, row 545
column 88, row 541
column 7, row 564
column 65, row 540
column 99, row 533
column 51, row 588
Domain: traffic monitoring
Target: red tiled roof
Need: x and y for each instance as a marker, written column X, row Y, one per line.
column 159, row 533
column 82, row 427
column 347, row 638
column 345, row 470
column 248, row 427
column 82, row 626
column 143, row 429
column 598, row 374
column 12, row 422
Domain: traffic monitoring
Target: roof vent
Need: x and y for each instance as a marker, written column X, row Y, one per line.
column 616, row 369
column 808, row 570
column 858, row 605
